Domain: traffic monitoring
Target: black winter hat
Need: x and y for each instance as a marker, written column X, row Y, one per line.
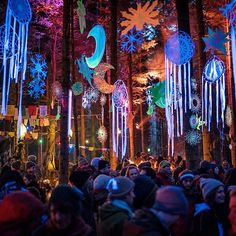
column 144, row 190
column 102, row 164
column 79, row 178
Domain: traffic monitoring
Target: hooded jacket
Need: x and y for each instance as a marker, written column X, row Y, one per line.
column 111, row 219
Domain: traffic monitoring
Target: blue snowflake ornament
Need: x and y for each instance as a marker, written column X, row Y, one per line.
column 193, row 137
column 84, row 69
column 38, row 71
column 131, row 41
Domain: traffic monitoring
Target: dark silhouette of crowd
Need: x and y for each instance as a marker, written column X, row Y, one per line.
column 151, row 197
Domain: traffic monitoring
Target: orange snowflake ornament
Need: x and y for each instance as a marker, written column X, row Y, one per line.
column 143, row 15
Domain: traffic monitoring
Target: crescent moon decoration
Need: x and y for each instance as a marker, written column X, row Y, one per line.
column 102, row 134
column 98, row 78
column 98, row 33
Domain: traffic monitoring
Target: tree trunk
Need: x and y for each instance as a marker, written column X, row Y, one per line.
column 182, row 8
column 64, row 152
column 142, row 128
column 75, row 112
column 113, row 53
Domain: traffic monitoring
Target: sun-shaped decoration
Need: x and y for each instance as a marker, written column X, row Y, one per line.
column 102, row 134
column 196, row 103
column 146, row 14
column 228, row 116
column 77, row 88
column 57, row 90
column 193, row 121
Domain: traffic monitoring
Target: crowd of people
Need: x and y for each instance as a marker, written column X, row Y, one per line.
column 154, row 197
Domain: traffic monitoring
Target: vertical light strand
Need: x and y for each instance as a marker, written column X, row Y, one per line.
column 69, row 112
column 189, row 87
column 185, row 89
column 233, row 46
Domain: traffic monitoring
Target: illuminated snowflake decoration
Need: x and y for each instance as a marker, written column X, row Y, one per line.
column 57, row 90
column 131, row 41
column 149, row 32
column 102, row 134
column 193, row 137
column 38, row 71
column 84, row 69
column 179, row 48
column 196, row 103
column 90, row 95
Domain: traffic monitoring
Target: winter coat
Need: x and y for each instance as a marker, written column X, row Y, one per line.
column 206, row 222
column 145, row 223
column 111, row 220
column 77, row 228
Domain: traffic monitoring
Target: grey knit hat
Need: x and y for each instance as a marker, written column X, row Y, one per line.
column 120, row 186
column 101, row 182
column 209, row 185
column 171, row 199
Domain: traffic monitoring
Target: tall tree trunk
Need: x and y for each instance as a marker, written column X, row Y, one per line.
column 113, row 53
column 64, row 154
column 130, row 115
column 75, row 111
column 201, row 62
column 182, row 8
column 142, row 128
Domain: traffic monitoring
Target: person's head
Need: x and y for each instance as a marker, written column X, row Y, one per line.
column 149, row 172
column 170, row 204
column 104, row 167
column 82, row 163
column 30, row 167
column 81, row 179
column 64, row 206
column 121, row 188
column 132, row 172
column 186, row 178
column 225, row 165
column 28, row 178
column 212, row 191
column 232, row 208
column 205, row 167
column 20, row 213
column 100, row 182
column 145, row 192
column 164, row 166
column 94, row 162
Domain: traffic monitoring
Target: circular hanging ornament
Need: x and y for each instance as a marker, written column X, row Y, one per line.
column 57, row 90
column 193, row 137
column 193, row 122
column 103, row 100
column 21, row 10
column 196, row 103
column 179, row 48
column 10, row 42
column 213, row 70
column 77, row 88
column 102, row 134
column 120, row 94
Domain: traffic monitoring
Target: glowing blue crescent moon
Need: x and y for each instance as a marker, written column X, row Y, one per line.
column 99, row 35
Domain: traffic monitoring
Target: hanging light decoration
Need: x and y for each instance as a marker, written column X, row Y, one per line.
column 179, row 49
column 213, row 74
column 18, row 16
column 119, row 119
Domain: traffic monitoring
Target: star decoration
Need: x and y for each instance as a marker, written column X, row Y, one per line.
column 199, row 122
column 215, row 40
column 138, row 17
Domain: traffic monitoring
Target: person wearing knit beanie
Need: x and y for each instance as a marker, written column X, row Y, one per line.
column 100, row 182
column 113, row 214
column 208, row 186
column 171, row 200
column 186, row 178
column 145, row 192
column 94, row 162
column 164, row 164
column 20, row 214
